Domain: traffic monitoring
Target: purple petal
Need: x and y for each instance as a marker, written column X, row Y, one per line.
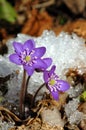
column 29, row 70
column 39, row 52
column 40, row 64
column 52, row 70
column 55, row 95
column 48, row 61
column 63, row 85
column 18, row 47
column 30, row 44
column 45, row 76
column 15, row 59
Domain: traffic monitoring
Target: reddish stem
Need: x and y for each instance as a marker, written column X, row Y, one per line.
column 33, row 102
column 22, row 96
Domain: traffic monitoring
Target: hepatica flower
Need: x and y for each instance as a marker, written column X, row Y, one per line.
column 29, row 56
column 54, row 84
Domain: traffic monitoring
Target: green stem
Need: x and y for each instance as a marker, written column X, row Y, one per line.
column 33, row 102
column 22, row 96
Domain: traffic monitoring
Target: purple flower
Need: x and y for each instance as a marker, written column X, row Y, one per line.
column 47, row 61
column 29, row 56
column 54, row 84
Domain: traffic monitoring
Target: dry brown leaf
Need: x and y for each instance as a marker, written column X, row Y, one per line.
column 37, row 22
column 7, row 115
column 37, row 125
column 78, row 27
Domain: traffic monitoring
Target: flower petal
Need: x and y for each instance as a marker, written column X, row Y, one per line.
column 62, row 85
column 46, row 76
column 40, row 64
column 30, row 44
column 15, row 59
column 48, row 61
column 55, row 95
column 52, row 70
column 29, row 70
column 39, row 52
column 18, row 47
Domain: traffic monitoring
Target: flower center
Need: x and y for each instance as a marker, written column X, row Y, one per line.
column 28, row 58
column 52, row 82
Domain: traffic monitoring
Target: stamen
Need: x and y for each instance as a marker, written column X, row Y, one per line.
column 27, row 58
column 52, row 82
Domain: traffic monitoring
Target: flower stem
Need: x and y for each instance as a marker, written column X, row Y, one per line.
column 22, row 96
column 33, row 102
column 27, row 85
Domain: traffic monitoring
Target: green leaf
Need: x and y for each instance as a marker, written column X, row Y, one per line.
column 7, row 12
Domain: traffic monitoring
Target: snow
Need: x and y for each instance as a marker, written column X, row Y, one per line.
column 67, row 51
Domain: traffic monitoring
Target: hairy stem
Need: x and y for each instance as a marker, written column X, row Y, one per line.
column 27, row 85
column 33, row 102
column 22, row 96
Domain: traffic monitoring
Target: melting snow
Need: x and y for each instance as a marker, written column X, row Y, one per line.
column 67, row 51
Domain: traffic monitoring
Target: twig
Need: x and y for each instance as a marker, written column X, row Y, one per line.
column 42, row 5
